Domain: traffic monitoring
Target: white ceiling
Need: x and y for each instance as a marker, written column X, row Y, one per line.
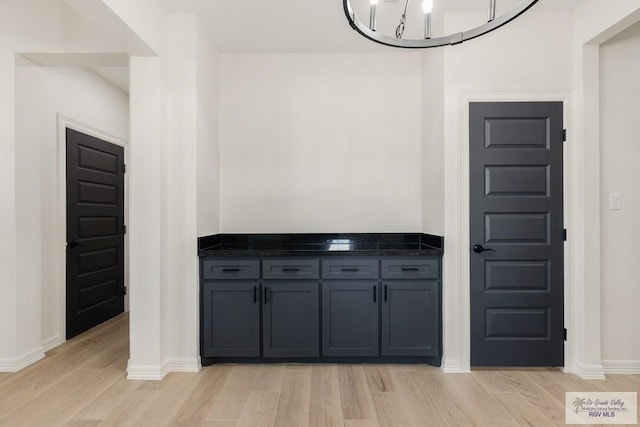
column 118, row 76
column 113, row 67
column 258, row 26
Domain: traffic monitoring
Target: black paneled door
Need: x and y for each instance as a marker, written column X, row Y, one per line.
column 95, row 231
column 517, row 288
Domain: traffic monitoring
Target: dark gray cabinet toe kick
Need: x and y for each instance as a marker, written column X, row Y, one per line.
column 336, row 309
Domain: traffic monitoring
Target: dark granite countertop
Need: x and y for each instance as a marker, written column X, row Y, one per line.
column 321, row 244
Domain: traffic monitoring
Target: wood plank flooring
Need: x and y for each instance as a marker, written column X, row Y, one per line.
column 83, row 383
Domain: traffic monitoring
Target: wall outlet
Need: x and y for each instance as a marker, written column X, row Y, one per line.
column 614, row 202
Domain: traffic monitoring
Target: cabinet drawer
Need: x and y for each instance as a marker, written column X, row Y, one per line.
column 410, row 268
column 299, row 269
column 231, row 269
column 350, row 268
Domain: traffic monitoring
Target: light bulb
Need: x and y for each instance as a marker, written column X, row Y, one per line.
column 427, row 6
column 372, row 14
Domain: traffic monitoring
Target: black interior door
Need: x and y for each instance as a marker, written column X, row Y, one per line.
column 517, row 288
column 95, row 231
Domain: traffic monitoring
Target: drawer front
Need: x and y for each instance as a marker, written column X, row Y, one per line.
column 350, row 268
column 411, row 268
column 219, row 269
column 298, row 269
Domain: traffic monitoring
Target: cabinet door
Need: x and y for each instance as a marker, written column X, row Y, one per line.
column 350, row 318
column 231, row 319
column 410, row 318
column 291, row 319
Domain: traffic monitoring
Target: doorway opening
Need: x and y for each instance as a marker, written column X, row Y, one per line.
column 86, row 93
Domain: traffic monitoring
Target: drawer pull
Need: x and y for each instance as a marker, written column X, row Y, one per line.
column 410, row 269
column 290, row 270
column 386, row 293
column 230, row 270
column 375, row 292
column 265, row 294
column 350, row 270
column 255, row 294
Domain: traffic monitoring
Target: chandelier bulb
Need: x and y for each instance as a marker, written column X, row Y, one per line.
column 427, row 6
column 372, row 14
column 492, row 10
column 427, row 25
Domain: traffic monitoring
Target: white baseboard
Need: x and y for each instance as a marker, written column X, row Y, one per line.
column 631, row 367
column 158, row 372
column 589, row 372
column 51, row 343
column 452, row 366
column 144, row 372
column 19, row 363
column 182, row 365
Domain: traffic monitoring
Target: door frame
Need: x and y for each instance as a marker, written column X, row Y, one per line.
column 65, row 122
column 457, row 257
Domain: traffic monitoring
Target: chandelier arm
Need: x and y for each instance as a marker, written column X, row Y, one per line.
column 403, row 20
column 451, row 39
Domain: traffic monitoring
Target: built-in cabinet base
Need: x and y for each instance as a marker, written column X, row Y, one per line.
column 433, row 361
column 328, row 309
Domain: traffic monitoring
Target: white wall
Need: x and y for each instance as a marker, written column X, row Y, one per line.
column 594, row 23
column 179, row 208
column 620, row 229
column 8, row 285
column 42, row 93
column 190, row 143
column 146, row 235
column 516, row 57
column 207, row 134
column 29, row 175
column 432, row 142
column 321, row 142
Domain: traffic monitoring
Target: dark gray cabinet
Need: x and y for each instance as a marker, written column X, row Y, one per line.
column 231, row 319
column 291, row 319
column 350, row 318
column 330, row 307
column 410, row 318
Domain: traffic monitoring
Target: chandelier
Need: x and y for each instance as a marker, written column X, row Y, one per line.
column 424, row 39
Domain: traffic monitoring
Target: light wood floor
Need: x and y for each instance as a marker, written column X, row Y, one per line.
column 82, row 383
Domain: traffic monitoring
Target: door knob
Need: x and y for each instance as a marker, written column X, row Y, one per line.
column 74, row 243
column 479, row 249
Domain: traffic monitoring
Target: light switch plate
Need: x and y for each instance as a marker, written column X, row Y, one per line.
column 614, row 202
